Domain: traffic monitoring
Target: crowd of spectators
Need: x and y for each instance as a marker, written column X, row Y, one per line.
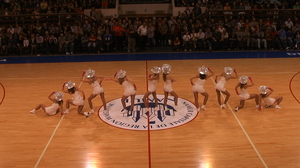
column 183, row 32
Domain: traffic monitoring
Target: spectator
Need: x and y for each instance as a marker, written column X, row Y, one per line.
column 39, row 44
column 131, row 38
column 201, row 39
column 99, row 42
column 52, row 44
column 142, row 32
column 208, row 39
column 150, row 36
column 233, row 41
column 25, row 46
column 92, row 43
column 78, row 41
column 224, row 40
column 274, row 38
column 197, row 10
column 163, row 30
column 12, row 43
column 108, row 40
column 194, row 40
column 177, row 45
column 282, row 39
column 44, row 6
column 61, row 42
column 4, row 44
column 246, row 38
column 227, row 13
column 216, row 39
column 239, row 36
column 119, row 35
column 290, row 39
column 46, row 42
column 186, row 41
column 261, row 39
column 289, row 24
column 33, row 44
column 69, row 43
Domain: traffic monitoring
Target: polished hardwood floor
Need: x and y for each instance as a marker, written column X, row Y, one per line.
column 216, row 138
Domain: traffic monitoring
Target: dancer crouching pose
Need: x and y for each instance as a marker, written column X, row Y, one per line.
column 269, row 101
column 220, row 85
column 198, row 86
column 244, row 95
column 56, row 107
column 77, row 99
column 129, row 89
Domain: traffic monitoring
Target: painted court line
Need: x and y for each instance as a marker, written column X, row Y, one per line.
column 148, row 121
column 245, row 132
column 46, row 147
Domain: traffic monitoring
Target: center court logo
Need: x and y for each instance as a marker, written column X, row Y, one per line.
column 160, row 118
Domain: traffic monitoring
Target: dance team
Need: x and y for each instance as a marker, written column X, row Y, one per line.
column 197, row 82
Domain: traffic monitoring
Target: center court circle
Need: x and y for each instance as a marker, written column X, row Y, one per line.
column 160, row 118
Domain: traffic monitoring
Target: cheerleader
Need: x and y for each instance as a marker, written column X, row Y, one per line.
column 244, row 95
column 77, row 99
column 166, row 69
column 198, row 86
column 56, row 107
column 153, row 78
column 269, row 101
column 91, row 79
column 220, row 85
column 129, row 89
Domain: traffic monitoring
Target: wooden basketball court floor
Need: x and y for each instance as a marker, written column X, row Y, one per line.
column 216, row 138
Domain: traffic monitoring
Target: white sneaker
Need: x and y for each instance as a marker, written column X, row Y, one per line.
column 277, row 106
column 32, row 111
column 66, row 112
column 92, row 111
column 258, row 107
column 124, row 111
column 86, row 114
column 236, row 109
column 71, row 53
column 203, row 107
column 223, row 106
column 67, row 53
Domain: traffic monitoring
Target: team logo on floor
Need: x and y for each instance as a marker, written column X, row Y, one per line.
column 159, row 117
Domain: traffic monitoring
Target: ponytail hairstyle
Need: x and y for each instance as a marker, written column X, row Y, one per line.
column 202, row 76
column 71, row 90
column 165, row 77
column 242, row 85
column 121, row 80
column 157, row 74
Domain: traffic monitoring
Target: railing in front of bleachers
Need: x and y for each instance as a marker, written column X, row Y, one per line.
column 75, row 18
column 27, row 19
column 277, row 14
